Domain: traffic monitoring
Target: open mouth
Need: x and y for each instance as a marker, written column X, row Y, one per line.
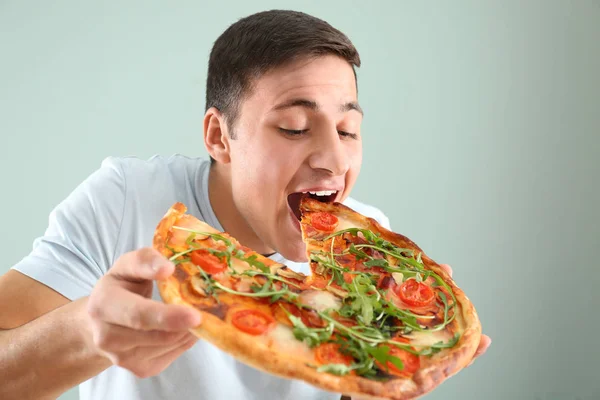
column 294, row 199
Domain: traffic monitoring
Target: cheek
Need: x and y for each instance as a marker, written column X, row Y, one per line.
column 356, row 157
column 261, row 168
column 355, row 163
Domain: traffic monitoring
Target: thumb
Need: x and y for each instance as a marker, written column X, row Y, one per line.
column 144, row 264
column 446, row 268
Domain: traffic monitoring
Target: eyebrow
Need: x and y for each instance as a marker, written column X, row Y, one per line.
column 313, row 106
column 352, row 105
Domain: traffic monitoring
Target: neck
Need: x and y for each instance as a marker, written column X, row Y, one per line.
column 223, row 204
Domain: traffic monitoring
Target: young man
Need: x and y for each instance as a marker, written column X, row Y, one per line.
column 282, row 117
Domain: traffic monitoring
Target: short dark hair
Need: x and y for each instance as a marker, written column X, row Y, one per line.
column 256, row 44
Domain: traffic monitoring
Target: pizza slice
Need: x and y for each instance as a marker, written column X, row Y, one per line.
column 393, row 293
column 375, row 318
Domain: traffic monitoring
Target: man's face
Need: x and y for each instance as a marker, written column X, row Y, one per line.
column 298, row 132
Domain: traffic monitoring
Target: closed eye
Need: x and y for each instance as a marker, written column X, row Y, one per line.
column 298, row 132
column 293, row 132
column 348, row 135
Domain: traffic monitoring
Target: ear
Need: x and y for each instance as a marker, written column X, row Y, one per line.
column 216, row 136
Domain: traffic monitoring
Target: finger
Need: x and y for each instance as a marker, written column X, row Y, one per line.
column 447, row 268
column 155, row 362
column 121, row 307
column 110, row 337
column 187, row 341
column 141, row 265
column 161, row 362
column 140, row 358
column 484, row 343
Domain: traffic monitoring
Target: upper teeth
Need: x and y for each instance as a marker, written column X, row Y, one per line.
column 324, row 192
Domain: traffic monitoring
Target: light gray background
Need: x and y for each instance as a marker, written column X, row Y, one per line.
column 481, row 143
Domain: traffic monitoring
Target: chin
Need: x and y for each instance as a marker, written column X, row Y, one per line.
column 298, row 259
column 295, row 254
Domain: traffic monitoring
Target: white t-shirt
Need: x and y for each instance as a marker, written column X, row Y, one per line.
column 114, row 211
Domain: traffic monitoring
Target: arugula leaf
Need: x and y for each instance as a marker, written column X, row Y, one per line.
column 376, row 262
column 327, row 266
column 181, row 260
column 209, row 283
column 190, row 240
column 311, row 336
column 359, row 301
column 360, row 255
column 362, row 302
column 346, row 311
column 255, row 294
column 276, row 296
column 382, row 354
column 437, row 347
column 408, row 319
column 261, row 289
column 252, row 260
column 364, row 366
column 214, row 236
column 253, row 272
column 370, row 335
column 446, row 309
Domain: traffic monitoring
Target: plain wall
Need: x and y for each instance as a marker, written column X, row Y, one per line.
column 481, row 143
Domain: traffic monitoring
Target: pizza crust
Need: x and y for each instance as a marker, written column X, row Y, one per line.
column 254, row 351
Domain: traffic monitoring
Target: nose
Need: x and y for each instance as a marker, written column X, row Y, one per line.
column 329, row 154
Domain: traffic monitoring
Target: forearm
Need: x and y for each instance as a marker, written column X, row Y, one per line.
column 49, row 355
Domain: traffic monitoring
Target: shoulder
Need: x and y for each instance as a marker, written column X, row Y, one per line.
column 135, row 167
column 152, row 185
column 158, row 173
column 368, row 210
column 124, row 184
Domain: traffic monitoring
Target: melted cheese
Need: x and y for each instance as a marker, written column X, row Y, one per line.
column 238, row 265
column 320, row 300
column 418, row 339
column 180, row 236
column 345, row 223
column 283, row 338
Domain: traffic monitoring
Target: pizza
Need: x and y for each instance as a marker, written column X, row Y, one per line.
column 375, row 318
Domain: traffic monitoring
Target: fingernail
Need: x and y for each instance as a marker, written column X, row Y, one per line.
column 158, row 264
column 195, row 318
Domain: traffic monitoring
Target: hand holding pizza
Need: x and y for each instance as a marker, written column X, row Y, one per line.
column 133, row 331
column 486, row 341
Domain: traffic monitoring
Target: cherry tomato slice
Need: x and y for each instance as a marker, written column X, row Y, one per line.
column 329, row 353
column 410, row 362
column 324, row 221
column 252, row 321
column 416, row 294
column 209, row 263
